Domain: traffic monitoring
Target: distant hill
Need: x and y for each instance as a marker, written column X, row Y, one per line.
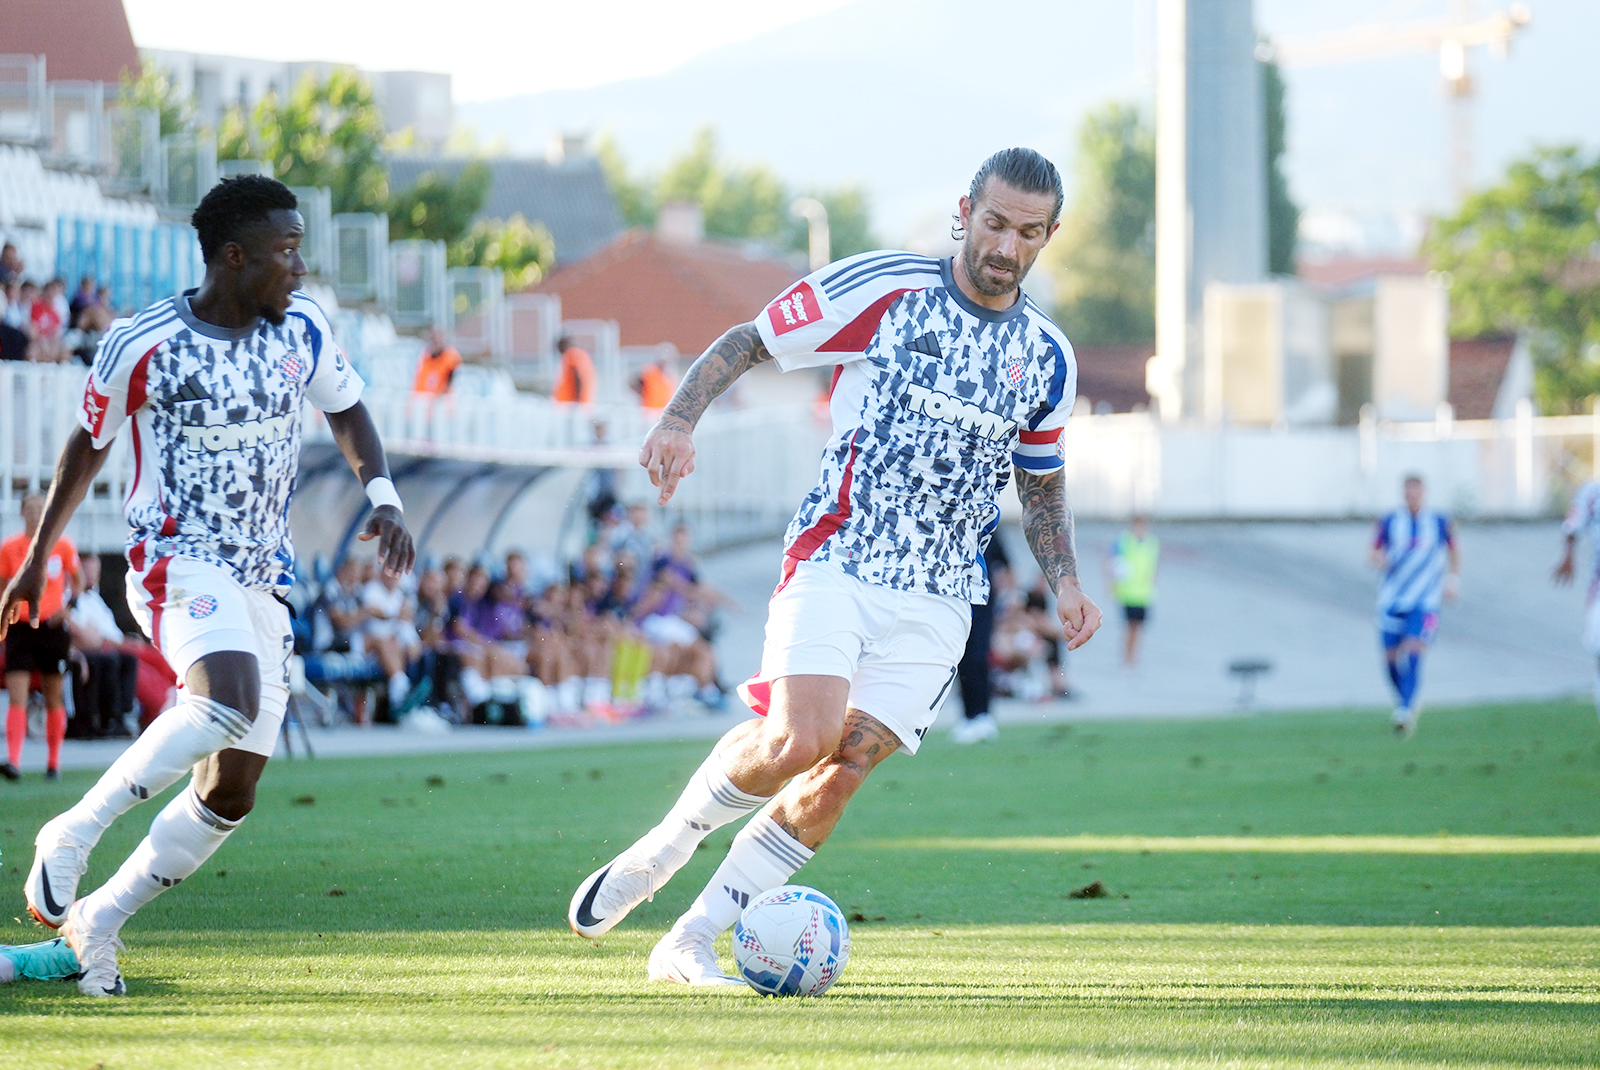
column 907, row 96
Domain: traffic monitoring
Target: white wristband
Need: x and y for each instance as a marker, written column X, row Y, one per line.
column 381, row 491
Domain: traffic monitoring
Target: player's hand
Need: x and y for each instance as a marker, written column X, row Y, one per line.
column 668, row 455
column 1563, row 572
column 396, row 553
column 26, row 586
column 1080, row 617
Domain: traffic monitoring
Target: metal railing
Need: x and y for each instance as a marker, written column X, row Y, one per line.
column 141, row 264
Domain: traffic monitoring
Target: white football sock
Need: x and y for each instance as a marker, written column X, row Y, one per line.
column 505, row 689
column 183, row 835
column 194, row 729
column 709, row 801
column 569, row 694
column 475, row 687
column 399, row 687
column 762, row 857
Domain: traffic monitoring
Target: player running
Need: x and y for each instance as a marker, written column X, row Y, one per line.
column 213, row 384
column 43, row 648
column 1583, row 515
column 946, row 378
column 1410, row 546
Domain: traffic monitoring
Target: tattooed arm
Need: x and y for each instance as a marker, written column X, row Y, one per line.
column 1047, row 524
column 668, row 453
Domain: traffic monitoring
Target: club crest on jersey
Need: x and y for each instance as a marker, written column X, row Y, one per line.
column 202, row 607
column 794, row 309
column 291, row 367
column 1014, row 370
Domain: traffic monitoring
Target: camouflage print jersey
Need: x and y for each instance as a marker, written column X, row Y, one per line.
column 934, row 400
column 215, row 417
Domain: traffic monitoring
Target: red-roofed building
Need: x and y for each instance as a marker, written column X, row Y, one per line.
column 676, row 290
column 86, row 40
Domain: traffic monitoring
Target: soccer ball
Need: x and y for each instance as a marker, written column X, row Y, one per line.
column 791, row 941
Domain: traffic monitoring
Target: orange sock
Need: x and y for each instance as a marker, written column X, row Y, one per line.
column 16, row 732
column 55, row 730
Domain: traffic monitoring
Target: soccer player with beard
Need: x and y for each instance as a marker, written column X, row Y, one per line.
column 947, row 378
column 212, row 384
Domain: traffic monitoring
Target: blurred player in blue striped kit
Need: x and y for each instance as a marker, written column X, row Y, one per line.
column 1411, row 546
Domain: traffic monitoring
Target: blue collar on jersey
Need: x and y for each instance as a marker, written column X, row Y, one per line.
column 967, row 305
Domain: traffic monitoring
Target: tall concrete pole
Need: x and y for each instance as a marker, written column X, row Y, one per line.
column 1211, row 181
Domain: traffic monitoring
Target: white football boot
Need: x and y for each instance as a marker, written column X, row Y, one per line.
column 59, row 859
column 97, row 955
column 1404, row 722
column 610, row 892
column 979, row 729
column 685, row 956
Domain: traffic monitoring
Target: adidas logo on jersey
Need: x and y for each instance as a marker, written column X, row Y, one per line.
column 217, row 438
column 192, row 390
column 927, row 345
column 964, row 414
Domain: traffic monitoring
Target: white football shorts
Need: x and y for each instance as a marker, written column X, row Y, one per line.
column 191, row 608
column 898, row 649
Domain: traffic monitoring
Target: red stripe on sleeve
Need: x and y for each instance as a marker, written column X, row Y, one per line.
column 138, row 382
column 1040, row 438
column 857, row 334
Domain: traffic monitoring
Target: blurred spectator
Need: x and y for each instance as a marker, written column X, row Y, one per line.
column 1132, row 564
column 13, row 337
column 635, row 536
column 437, row 366
column 486, row 635
column 84, row 297
column 575, row 381
column 44, row 322
column 1029, row 645
column 111, row 676
column 388, row 633
column 654, row 387
column 600, row 494
column 11, row 265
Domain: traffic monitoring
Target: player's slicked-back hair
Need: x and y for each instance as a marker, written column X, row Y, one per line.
column 234, row 205
column 1021, row 169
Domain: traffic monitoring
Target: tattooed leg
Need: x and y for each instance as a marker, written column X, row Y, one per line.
column 811, row 804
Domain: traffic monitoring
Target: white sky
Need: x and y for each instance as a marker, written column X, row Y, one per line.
column 492, row 48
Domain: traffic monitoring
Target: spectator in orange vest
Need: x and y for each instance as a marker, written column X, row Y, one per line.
column 576, row 381
column 437, row 366
column 654, row 387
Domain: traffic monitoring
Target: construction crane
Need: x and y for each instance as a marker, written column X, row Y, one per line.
column 1450, row 38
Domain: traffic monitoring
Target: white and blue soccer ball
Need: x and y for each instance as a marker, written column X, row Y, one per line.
column 791, row 941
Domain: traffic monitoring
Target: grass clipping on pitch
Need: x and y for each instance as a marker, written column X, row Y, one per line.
column 1291, row 890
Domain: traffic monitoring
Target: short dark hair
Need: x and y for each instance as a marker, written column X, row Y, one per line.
column 1022, row 169
column 236, row 204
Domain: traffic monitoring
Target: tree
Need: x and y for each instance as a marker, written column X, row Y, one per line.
column 154, row 89
column 1283, row 215
column 437, row 207
column 633, row 198
column 1104, row 255
column 740, row 203
column 323, row 134
column 1522, row 256
column 522, row 251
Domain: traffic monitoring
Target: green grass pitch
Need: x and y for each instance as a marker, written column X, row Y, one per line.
column 1286, row 890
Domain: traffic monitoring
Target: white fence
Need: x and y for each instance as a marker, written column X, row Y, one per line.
column 755, row 465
